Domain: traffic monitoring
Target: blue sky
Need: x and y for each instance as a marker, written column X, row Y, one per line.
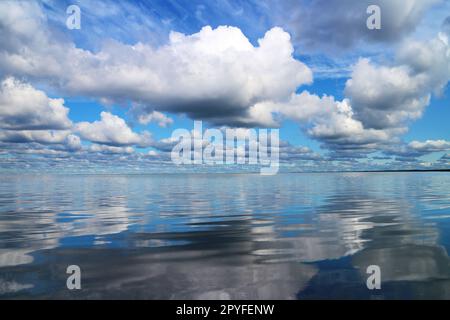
column 110, row 94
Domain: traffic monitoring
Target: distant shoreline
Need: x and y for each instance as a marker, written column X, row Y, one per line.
column 377, row 171
column 211, row 173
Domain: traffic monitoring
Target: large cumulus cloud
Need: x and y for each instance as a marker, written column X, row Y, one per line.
column 389, row 96
column 380, row 101
column 24, row 107
column 215, row 74
column 28, row 115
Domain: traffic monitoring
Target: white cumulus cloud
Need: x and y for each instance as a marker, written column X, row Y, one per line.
column 110, row 130
column 24, row 107
column 214, row 74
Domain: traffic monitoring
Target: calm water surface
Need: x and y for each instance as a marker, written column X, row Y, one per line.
column 290, row 236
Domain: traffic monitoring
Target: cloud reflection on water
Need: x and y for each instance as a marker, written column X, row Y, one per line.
column 225, row 236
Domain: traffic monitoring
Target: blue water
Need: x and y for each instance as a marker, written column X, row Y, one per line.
column 224, row 236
